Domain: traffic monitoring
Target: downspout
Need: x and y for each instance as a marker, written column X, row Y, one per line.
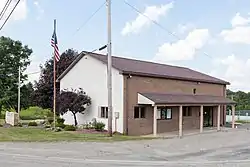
column 127, row 113
column 224, row 107
column 127, row 105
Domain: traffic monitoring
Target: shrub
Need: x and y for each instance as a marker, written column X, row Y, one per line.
column 32, row 124
column 33, row 113
column 88, row 126
column 99, row 126
column 60, row 120
column 2, row 116
column 58, row 129
column 60, row 125
column 47, row 126
column 50, row 120
column 19, row 124
column 69, row 128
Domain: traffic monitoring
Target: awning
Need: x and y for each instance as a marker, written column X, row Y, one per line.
column 163, row 98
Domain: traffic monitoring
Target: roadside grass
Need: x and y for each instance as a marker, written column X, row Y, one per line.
column 243, row 121
column 33, row 113
column 2, row 121
column 19, row 134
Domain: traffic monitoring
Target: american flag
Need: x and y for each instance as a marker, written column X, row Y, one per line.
column 55, row 46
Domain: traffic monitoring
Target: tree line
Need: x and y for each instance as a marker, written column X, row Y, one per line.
column 15, row 54
column 242, row 99
column 40, row 93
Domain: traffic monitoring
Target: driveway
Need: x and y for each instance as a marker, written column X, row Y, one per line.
column 230, row 149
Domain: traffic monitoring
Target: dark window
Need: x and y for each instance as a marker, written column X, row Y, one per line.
column 194, row 91
column 142, row 112
column 139, row 112
column 136, row 112
column 166, row 113
column 187, row 112
column 104, row 112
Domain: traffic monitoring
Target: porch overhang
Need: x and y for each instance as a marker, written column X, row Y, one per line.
column 182, row 99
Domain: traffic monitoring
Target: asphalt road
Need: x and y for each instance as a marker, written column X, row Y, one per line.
column 208, row 150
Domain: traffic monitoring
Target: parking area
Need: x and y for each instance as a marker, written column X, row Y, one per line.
column 227, row 148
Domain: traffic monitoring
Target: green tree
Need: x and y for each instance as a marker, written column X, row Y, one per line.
column 74, row 101
column 43, row 94
column 242, row 99
column 27, row 92
column 13, row 54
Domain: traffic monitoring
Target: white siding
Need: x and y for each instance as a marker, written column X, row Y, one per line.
column 91, row 75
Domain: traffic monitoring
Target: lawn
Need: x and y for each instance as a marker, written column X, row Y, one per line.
column 35, row 113
column 243, row 121
column 20, row 134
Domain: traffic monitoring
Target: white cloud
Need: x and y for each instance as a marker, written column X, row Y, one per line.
column 39, row 8
column 182, row 28
column 20, row 13
column 153, row 12
column 240, row 31
column 238, row 20
column 234, row 70
column 237, row 35
column 183, row 49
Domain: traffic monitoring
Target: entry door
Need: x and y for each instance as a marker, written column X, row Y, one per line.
column 208, row 116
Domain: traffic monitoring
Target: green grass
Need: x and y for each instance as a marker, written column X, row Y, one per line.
column 2, row 121
column 243, row 121
column 35, row 113
column 32, row 113
column 20, row 134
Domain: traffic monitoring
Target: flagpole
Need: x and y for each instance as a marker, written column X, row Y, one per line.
column 54, row 97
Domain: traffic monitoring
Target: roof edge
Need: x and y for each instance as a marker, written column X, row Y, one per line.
column 65, row 72
column 230, row 102
column 83, row 53
column 174, row 78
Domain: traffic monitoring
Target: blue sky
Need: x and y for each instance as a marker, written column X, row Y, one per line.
column 209, row 36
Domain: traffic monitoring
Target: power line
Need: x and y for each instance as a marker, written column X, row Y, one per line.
column 5, row 8
column 10, row 15
column 156, row 23
column 31, row 73
column 90, row 17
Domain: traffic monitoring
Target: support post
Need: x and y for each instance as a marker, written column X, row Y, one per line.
column 233, row 116
column 218, row 118
column 109, row 47
column 201, row 118
column 19, row 93
column 155, row 121
column 180, row 121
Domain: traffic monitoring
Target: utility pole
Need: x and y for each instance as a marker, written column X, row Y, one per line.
column 109, row 69
column 19, row 92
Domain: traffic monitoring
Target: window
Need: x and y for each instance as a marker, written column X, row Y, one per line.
column 139, row 112
column 104, row 112
column 165, row 113
column 187, row 112
column 194, row 91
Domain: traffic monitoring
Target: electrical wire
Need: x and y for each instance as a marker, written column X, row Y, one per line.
column 31, row 73
column 5, row 8
column 10, row 15
column 89, row 18
column 156, row 23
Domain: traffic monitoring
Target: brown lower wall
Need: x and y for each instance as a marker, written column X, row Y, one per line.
column 135, row 84
column 189, row 122
column 145, row 126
